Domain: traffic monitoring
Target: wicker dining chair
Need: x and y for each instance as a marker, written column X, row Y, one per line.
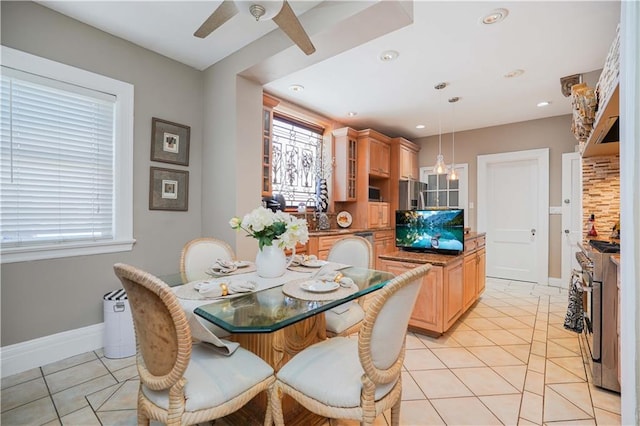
column 200, row 254
column 354, row 251
column 183, row 382
column 360, row 378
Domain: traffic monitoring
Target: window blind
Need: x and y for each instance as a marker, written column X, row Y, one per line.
column 56, row 161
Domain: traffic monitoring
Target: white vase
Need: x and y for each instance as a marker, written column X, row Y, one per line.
column 271, row 261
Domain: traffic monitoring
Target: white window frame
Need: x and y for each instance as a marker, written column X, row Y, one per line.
column 463, row 186
column 123, row 158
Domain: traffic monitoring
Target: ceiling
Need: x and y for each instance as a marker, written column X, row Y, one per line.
column 447, row 42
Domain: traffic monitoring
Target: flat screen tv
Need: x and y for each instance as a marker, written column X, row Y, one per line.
column 434, row 231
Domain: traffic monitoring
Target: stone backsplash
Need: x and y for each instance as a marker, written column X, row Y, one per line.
column 601, row 193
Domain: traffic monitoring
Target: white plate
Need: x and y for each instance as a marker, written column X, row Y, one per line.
column 344, row 219
column 314, row 263
column 319, row 286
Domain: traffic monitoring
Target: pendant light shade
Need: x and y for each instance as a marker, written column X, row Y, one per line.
column 452, row 171
column 440, row 166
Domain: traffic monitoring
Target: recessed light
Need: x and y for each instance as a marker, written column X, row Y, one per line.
column 514, row 73
column 389, row 55
column 544, row 103
column 352, row 113
column 495, row 16
column 296, row 88
column 420, row 126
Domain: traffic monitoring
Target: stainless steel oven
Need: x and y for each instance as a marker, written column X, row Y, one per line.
column 599, row 302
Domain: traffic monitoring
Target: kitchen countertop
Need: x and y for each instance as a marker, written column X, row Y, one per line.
column 615, row 258
column 344, row 231
column 416, row 257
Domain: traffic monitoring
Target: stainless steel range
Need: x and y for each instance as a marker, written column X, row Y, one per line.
column 600, row 304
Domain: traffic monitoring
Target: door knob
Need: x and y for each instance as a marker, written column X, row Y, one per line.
column 566, row 231
column 533, row 231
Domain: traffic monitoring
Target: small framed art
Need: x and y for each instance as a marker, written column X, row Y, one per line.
column 169, row 142
column 168, row 189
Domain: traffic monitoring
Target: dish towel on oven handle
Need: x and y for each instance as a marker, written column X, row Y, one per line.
column 574, row 320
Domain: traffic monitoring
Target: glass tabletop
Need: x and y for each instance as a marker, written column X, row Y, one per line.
column 269, row 310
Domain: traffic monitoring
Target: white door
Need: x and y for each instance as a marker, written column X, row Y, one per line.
column 513, row 209
column 571, row 212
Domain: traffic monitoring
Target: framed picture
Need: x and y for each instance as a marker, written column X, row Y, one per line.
column 168, row 189
column 169, row 142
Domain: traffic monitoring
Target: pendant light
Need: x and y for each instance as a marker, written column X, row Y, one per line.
column 440, row 167
column 452, row 172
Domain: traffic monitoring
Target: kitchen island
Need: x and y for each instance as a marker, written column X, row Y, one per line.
column 452, row 286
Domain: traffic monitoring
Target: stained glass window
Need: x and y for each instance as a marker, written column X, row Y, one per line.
column 296, row 157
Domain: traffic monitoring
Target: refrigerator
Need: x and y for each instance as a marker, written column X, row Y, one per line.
column 412, row 195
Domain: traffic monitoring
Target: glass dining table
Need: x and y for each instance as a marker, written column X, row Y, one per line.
column 270, row 309
column 275, row 325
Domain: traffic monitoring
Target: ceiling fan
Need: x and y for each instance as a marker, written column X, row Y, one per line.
column 284, row 18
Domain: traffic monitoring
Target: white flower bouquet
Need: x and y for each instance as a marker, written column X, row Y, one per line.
column 266, row 226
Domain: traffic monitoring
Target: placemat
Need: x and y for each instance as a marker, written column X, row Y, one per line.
column 331, row 266
column 293, row 289
column 188, row 292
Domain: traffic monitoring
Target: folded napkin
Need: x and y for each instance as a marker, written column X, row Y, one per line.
column 200, row 332
column 223, row 267
column 219, row 288
column 336, row 277
column 300, row 259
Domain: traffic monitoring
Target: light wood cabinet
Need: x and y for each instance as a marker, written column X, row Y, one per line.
column 384, row 242
column 474, row 269
column 439, row 303
column 408, row 166
column 268, row 103
column 378, row 216
column 379, row 158
column 320, row 246
column 345, row 174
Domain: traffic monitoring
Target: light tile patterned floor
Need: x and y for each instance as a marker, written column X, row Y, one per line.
column 507, row 361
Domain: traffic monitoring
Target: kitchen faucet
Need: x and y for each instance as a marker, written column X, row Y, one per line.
column 315, row 207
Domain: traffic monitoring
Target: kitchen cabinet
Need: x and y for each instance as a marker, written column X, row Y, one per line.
column 474, row 268
column 378, row 216
column 268, row 103
column 320, row 245
column 379, row 158
column 378, row 152
column 408, row 163
column 345, row 174
column 440, row 300
column 384, row 242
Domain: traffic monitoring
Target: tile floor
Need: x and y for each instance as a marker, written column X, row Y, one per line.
column 507, row 361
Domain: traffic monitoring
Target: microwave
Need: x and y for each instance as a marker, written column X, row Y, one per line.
column 374, row 194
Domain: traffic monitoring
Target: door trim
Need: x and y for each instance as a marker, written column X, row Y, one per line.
column 566, row 258
column 541, row 156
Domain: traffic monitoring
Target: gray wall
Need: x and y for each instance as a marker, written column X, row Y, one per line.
column 554, row 133
column 40, row 298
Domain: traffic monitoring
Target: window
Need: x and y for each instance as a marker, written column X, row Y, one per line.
column 65, row 160
column 297, row 149
column 445, row 193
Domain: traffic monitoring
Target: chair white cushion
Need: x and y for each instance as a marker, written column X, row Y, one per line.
column 213, row 379
column 338, row 381
column 339, row 322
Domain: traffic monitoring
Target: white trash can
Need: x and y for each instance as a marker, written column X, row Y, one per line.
column 119, row 336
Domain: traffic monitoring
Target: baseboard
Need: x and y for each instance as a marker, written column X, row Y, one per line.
column 555, row 282
column 45, row 350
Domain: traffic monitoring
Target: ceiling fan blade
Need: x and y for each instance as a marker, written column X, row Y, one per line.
column 222, row 14
column 289, row 23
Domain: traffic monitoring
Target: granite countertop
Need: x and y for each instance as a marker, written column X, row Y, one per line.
column 470, row 235
column 344, row 231
column 416, row 257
